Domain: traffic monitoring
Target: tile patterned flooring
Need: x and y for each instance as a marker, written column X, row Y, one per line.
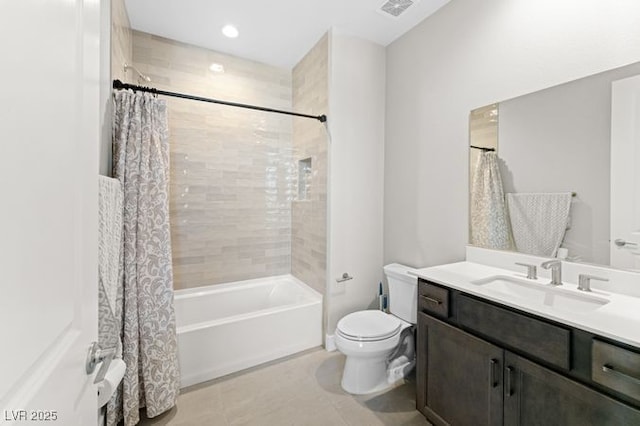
column 303, row 389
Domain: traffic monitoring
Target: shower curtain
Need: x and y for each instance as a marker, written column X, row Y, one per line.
column 141, row 163
column 489, row 224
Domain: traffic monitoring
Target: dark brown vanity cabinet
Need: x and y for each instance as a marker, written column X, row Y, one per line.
column 484, row 364
column 459, row 376
column 534, row 395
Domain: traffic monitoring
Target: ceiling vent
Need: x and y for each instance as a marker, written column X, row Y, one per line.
column 396, row 8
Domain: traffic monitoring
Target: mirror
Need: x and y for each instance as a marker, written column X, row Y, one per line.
column 551, row 142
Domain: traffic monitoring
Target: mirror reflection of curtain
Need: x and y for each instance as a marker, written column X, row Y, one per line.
column 489, row 222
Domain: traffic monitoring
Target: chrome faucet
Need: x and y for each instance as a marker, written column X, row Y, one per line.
column 584, row 281
column 556, row 270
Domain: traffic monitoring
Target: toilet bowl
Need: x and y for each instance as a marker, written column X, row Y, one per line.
column 380, row 347
column 368, row 339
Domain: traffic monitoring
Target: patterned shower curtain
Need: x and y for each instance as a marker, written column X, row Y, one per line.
column 490, row 226
column 141, row 163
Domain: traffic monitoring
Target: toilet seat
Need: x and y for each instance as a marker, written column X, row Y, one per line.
column 369, row 326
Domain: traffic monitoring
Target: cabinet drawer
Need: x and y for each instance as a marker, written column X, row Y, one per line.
column 538, row 338
column 433, row 299
column 616, row 368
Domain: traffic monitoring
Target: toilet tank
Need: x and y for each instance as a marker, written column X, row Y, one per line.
column 403, row 291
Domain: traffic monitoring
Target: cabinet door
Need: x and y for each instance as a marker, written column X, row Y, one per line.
column 459, row 377
column 534, row 395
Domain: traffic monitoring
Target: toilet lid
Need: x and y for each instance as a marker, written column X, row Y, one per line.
column 369, row 325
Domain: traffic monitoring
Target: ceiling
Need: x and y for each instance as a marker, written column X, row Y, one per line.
column 277, row 32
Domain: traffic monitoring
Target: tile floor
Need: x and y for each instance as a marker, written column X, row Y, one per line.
column 303, row 389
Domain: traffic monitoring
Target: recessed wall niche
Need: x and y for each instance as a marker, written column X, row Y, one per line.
column 304, row 179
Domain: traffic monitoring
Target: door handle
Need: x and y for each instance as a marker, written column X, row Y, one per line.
column 509, row 381
column 432, row 300
column 607, row 368
column 493, row 366
column 97, row 356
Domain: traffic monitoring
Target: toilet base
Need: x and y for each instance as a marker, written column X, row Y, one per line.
column 365, row 375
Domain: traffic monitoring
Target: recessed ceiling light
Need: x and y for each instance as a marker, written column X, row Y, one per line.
column 230, row 31
column 217, row 68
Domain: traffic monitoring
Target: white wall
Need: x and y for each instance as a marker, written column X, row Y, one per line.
column 467, row 55
column 558, row 140
column 104, row 153
column 356, row 124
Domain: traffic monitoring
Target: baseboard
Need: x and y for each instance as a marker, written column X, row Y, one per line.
column 330, row 343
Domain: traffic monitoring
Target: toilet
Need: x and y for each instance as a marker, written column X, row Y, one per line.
column 380, row 347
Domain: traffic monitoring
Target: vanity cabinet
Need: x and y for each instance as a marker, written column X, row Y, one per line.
column 460, row 376
column 480, row 363
column 534, row 395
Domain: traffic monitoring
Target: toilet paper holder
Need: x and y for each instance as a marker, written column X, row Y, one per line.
column 97, row 356
column 345, row 277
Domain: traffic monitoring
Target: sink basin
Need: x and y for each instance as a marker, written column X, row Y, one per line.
column 540, row 294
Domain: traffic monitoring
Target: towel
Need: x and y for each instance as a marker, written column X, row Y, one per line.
column 489, row 226
column 110, row 201
column 539, row 221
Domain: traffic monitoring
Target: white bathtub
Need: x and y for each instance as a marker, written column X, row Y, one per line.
column 226, row 328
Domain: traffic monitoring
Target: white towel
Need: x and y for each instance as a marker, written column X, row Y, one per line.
column 539, row 221
column 110, row 200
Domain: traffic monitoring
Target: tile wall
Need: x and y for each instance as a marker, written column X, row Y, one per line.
column 309, row 217
column 121, row 42
column 232, row 174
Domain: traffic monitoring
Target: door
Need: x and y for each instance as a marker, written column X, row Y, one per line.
column 49, row 132
column 625, row 173
column 459, row 377
column 536, row 396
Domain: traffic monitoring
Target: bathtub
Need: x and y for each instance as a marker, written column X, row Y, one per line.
column 228, row 327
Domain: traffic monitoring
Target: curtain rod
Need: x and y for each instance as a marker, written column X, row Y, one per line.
column 117, row 84
column 482, row 148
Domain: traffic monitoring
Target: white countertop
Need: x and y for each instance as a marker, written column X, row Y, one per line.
column 618, row 320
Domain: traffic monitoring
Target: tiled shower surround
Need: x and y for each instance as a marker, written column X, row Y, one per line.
column 233, row 174
column 121, row 42
column 309, row 217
